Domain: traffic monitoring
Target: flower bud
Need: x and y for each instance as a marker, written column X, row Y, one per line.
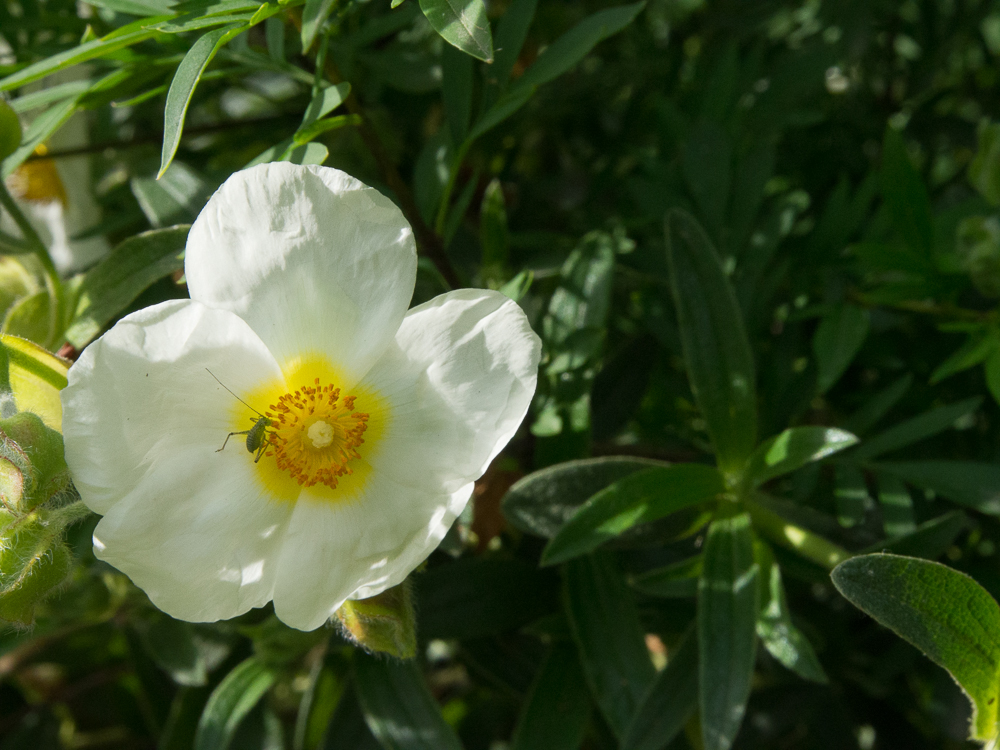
column 33, row 561
column 37, row 453
column 383, row 623
column 10, row 130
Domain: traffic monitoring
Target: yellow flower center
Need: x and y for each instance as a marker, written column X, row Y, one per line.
column 318, row 437
column 314, row 434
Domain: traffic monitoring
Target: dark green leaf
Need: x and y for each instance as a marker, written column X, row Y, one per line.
column 114, row 283
column 906, row 196
column 897, row 507
column 314, row 15
column 878, row 406
column 569, row 49
column 555, row 713
column 463, row 24
column 639, row 498
column 780, row 637
column 679, row 580
column 175, row 198
column 184, row 650
column 727, row 617
column 670, row 701
column 974, row 351
column 915, row 429
column 706, row 159
column 944, row 613
column 512, row 30
column 606, row 628
column 347, row 729
column 493, row 227
column 929, row 540
column 456, row 88
column 399, row 709
column 716, row 349
column 837, row 341
column 472, row 598
column 324, row 101
column 504, row 108
column 976, row 485
column 851, row 496
column 542, row 502
column 230, row 702
column 183, row 84
column 792, row 449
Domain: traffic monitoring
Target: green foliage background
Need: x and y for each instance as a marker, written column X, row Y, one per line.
column 724, row 219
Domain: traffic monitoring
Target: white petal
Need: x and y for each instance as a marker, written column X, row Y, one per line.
column 315, row 261
column 458, row 381
column 142, row 422
column 357, row 547
column 141, row 395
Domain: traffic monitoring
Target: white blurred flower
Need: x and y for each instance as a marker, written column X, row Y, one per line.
column 381, row 418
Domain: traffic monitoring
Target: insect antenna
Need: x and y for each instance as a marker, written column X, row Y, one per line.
column 234, row 395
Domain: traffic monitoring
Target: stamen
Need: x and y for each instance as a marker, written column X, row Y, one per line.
column 315, row 434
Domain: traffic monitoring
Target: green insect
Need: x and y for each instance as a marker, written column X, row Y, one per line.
column 256, row 436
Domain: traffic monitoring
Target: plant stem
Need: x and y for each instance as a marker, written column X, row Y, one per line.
column 809, row 545
column 53, row 282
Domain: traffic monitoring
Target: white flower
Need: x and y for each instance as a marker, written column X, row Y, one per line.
column 381, row 418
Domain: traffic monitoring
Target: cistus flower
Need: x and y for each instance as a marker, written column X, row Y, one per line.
column 377, row 419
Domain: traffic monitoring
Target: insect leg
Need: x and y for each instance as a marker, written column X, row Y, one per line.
column 243, row 432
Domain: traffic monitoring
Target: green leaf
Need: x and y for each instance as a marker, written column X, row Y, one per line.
column 944, row 613
column 316, row 709
column 780, row 637
column 906, row 196
column 679, row 580
column 10, row 130
column 878, row 406
column 120, row 38
column 40, row 130
column 897, row 507
column 838, row 339
column 324, row 101
column 512, row 30
column 314, row 15
column 36, row 378
column 463, row 24
column 175, row 198
column 456, row 89
column 347, row 729
column 606, row 629
column 793, row 448
column 975, row 485
column 307, row 133
column 114, row 283
column 569, row 49
column 504, row 108
column 183, row 84
column 974, row 351
column 398, row 707
column 929, row 540
column 984, row 174
column 716, row 349
column 727, row 617
column 639, row 498
column 706, row 159
column 543, row 501
column 473, row 598
column 493, row 234
column 230, row 702
column 186, row 651
column 670, row 701
column 851, row 496
column 915, row 429
column 992, row 373
column 556, row 711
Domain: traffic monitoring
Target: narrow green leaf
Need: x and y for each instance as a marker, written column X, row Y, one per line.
column 992, row 373
column 639, row 498
column 974, row 351
column 569, row 49
column 324, row 101
column 838, row 339
column 780, row 637
column 120, row 38
column 504, row 108
column 183, row 84
column 230, row 702
column 456, row 89
column 175, row 198
column 493, row 234
column 793, row 448
column 727, row 617
column 463, row 24
column 929, row 540
column 706, row 160
column 670, row 701
column 878, row 406
column 398, row 707
column 114, row 283
column 512, row 30
column 274, row 33
column 942, row 612
column 897, row 507
column 716, row 349
column 906, row 196
column 851, row 496
column 543, row 501
column 915, row 429
column 975, row 485
column 679, row 580
column 306, row 134
column 40, row 130
column 556, row 711
column 347, row 729
column 606, row 629
column 314, row 15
